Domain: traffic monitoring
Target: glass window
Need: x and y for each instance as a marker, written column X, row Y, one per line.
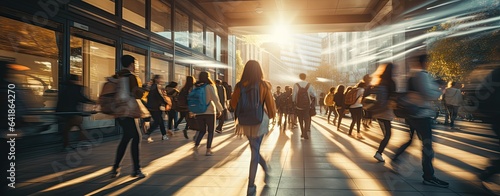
column 93, row 61
column 140, row 59
column 106, row 5
column 181, row 72
column 160, row 67
column 181, row 27
column 161, row 16
column 210, row 43
column 134, row 11
column 218, row 49
column 197, row 37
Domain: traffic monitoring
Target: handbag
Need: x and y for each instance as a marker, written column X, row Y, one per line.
column 144, row 112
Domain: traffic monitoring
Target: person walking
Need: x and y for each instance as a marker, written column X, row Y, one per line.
column 155, row 102
column 253, row 76
column 172, row 93
column 128, row 124
column 422, row 84
column 182, row 105
column 277, row 102
column 338, row 98
column 221, row 92
column 331, row 105
column 286, row 107
column 321, row 102
column 303, row 96
column 453, row 99
column 384, row 87
column 69, row 104
column 356, row 110
column 206, row 120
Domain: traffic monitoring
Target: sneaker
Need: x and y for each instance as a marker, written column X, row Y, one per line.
column 379, row 157
column 185, row 131
column 115, row 172
column 164, row 137
column 138, row 173
column 209, row 152
column 436, row 182
column 150, row 139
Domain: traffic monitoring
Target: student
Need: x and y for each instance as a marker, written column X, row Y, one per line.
column 356, row 110
column 206, row 120
column 183, row 105
column 339, row 104
column 221, row 92
column 302, row 110
column 252, row 75
column 155, row 101
column 331, row 105
column 453, row 99
column 173, row 93
column 128, row 124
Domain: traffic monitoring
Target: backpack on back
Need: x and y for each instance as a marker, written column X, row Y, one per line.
column 174, row 97
column 329, row 99
column 115, row 98
column 351, row 96
column 249, row 110
column 182, row 105
column 303, row 99
column 197, row 100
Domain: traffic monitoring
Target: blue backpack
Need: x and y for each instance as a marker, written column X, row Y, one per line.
column 249, row 110
column 197, row 100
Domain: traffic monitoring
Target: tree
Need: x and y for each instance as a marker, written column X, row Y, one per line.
column 239, row 65
column 324, row 77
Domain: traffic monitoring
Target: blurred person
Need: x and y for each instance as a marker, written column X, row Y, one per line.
column 422, row 84
column 276, row 96
column 331, row 105
column 156, row 100
column 128, row 124
column 206, row 120
column 367, row 116
column 321, row 102
column 221, row 92
column 286, row 107
column 338, row 98
column 453, row 99
column 173, row 93
column 356, row 110
column 183, row 104
column 302, row 109
column 252, row 75
column 384, row 87
column 403, row 147
column 69, row 105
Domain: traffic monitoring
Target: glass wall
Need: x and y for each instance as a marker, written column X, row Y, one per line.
column 181, row 28
column 135, row 11
column 218, row 48
column 197, row 37
column 161, row 18
column 106, row 5
column 140, row 60
column 210, row 43
column 160, row 67
column 181, row 72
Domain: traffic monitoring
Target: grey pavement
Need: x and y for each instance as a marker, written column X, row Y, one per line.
column 329, row 163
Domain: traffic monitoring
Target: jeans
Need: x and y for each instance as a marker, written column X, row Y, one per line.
column 304, row 121
column 183, row 116
column 423, row 128
column 452, row 112
column 256, row 158
column 172, row 118
column 157, row 120
column 340, row 112
column 385, row 125
column 331, row 109
column 206, row 123
column 404, row 146
column 221, row 120
column 131, row 131
column 357, row 115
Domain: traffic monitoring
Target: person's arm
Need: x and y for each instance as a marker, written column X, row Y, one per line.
column 135, row 87
column 312, row 92
column 235, row 97
column 212, row 96
column 294, row 92
column 269, row 101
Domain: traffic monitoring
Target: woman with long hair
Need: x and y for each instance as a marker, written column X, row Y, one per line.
column 330, row 104
column 253, row 76
column 155, row 101
column 182, row 105
column 206, row 120
column 339, row 104
column 384, row 86
column 356, row 110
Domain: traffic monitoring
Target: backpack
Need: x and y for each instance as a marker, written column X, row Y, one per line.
column 303, row 99
column 174, row 97
column 115, row 98
column 197, row 100
column 351, row 96
column 329, row 99
column 182, row 104
column 250, row 109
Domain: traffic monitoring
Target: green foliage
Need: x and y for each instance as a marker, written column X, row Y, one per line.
column 239, row 65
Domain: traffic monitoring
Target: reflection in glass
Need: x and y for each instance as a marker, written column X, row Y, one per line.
column 197, row 37
column 181, row 72
column 134, row 11
column 161, row 15
column 210, row 43
column 181, row 28
column 218, row 48
column 106, row 5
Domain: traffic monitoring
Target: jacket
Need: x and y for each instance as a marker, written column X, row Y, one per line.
column 212, row 99
column 155, row 99
column 265, row 95
column 453, row 96
column 428, row 90
column 385, row 112
column 135, row 84
column 70, row 98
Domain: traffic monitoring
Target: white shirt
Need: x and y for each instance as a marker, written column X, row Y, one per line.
column 359, row 96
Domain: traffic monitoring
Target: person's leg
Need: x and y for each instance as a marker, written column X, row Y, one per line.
column 255, row 159
column 126, row 137
column 210, row 120
column 307, row 120
column 329, row 114
column 423, row 128
column 402, row 149
column 136, row 141
column 65, row 130
column 447, row 114
column 340, row 112
column 353, row 118
column 300, row 115
column 285, row 120
column 221, row 121
column 179, row 121
column 358, row 113
column 170, row 122
column 202, row 128
column 454, row 115
column 385, row 125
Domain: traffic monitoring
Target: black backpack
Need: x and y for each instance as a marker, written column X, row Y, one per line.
column 303, row 99
column 250, row 109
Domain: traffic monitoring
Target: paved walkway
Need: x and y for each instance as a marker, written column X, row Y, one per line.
column 330, row 163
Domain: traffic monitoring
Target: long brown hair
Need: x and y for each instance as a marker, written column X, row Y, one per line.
column 204, row 77
column 252, row 73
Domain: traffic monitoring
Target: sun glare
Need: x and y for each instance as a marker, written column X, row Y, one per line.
column 281, row 34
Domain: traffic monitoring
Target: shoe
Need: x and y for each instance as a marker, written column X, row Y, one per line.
column 252, row 190
column 436, row 182
column 379, row 157
column 150, row 139
column 164, row 137
column 195, row 151
column 115, row 172
column 138, row 173
column 170, row 133
column 219, row 131
column 209, row 152
column 360, row 136
column 185, row 131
